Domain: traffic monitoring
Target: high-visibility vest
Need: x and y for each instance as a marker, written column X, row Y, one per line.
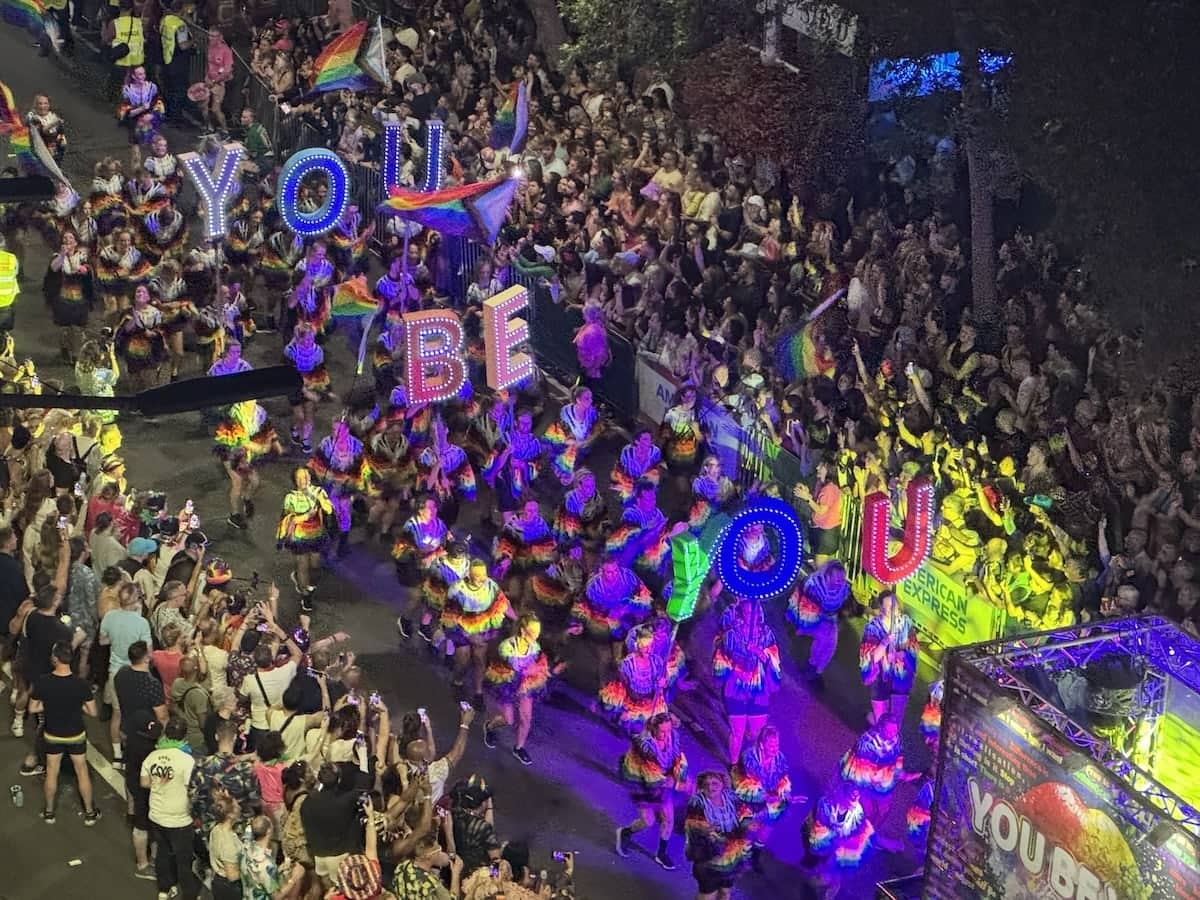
column 128, row 30
column 170, row 26
column 8, row 278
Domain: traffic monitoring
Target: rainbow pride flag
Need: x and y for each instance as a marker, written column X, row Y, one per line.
column 475, row 211
column 512, row 120
column 20, row 142
column 27, row 14
column 353, row 299
column 798, row 354
column 337, row 69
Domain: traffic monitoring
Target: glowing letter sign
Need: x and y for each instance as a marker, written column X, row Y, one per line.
column 434, row 170
column 216, row 188
column 433, row 361
column 775, row 515
column 501, row 334
column 299, row 165
column 918, row 533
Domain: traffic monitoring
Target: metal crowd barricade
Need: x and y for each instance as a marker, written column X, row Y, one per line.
column 198, row 66
column 266, row 110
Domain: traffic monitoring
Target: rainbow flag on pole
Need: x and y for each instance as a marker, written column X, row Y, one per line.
column 27, row 14
column 353, row 299
column 512, row 120
column 337, row 68
column 475, row 211
column 798, row 354
column 20, row 142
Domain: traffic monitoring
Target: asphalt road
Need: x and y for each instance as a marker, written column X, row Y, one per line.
column 570, row 798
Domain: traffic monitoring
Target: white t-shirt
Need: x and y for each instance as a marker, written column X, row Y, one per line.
column 294, row 745
column 438, row 772
column 274, row 683
column 217, row 660
column 169, row 771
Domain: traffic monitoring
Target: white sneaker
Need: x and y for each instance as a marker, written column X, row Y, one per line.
column 18, row 726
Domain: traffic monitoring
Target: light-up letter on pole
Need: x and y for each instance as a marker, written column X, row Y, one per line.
column 502, row 333
column 433, row 359
column 777, row 516
column 918, row 533
column 295, row 170
column 216, row 188
column 393, row 139
column 434, row 143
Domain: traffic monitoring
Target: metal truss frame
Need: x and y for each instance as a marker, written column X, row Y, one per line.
column 1168, row 654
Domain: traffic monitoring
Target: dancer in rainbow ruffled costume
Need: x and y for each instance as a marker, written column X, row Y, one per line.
column 302, row 531
column 887, row 657
column 613, row 602
column 838, row 836
column 475, row 610
column 519, row 676
column 656, row 767
column 637, row 462
column 643, row 538
column 340, row 465
column 524, row 546
column 814, row 609
column 572, row 436
column 244, row 439
column 638, row 693
column 720, row 839
column 763, row 785
column 746, row 664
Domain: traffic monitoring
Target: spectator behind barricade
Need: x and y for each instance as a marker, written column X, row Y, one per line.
column 173, row 605
column 167, row 661
column 293, row 726
column 167, row 773
column 259, row 151
column 475, row 837
column 217, row 75
column 419, row 759
column 321, row 669
column 83, row 593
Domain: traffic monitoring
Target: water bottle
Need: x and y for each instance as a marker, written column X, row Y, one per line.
column 18, row 795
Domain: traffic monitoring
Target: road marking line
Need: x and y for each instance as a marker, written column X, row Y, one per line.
column 113, row 778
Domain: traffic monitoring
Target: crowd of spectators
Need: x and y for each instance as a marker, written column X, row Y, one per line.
column 267, row 736
column 1066, row 493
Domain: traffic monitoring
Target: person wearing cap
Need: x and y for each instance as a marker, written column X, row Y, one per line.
column 475, row 838
column 137, row 554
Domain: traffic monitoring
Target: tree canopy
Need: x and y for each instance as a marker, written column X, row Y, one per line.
column 810, row 121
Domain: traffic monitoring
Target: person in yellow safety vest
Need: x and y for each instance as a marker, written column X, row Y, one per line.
column 177, row 59
column 9, row 288
column 127, row 32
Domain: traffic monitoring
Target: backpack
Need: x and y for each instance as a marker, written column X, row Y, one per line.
column 295, row 844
